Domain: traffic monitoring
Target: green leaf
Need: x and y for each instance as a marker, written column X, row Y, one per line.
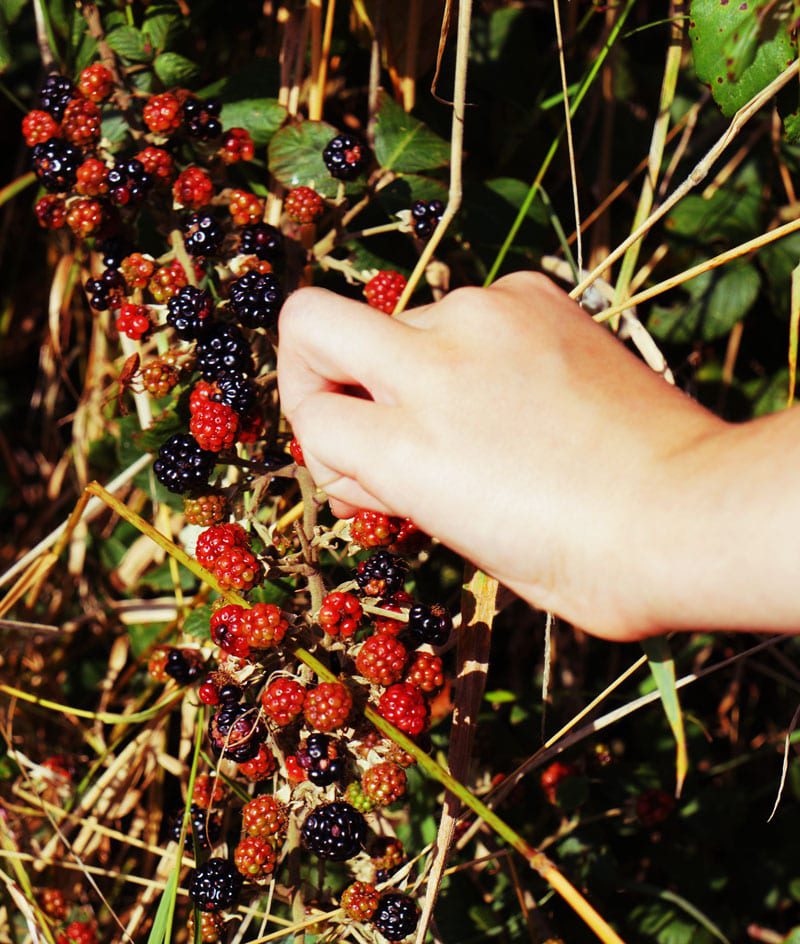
column 739, row 48
column 164, row 426
column 260, row 116
column 174, row 69
column 402, row 192
column 5, row 45
column 143, row 635
column 731, row 298
column 659, row 658
column 403, row 143
column 196, row 623
column 295, row 156
column 161, row 25
column 11, row 9
column 129, row 43
column 664, row 894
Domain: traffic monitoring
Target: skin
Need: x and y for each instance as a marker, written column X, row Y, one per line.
column 530, row 440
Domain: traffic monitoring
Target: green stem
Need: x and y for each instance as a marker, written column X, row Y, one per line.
column 585, row 85
column 16, row 186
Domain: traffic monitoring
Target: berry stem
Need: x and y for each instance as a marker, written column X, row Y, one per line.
column 316, row 585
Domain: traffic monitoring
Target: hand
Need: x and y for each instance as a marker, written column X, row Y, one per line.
column 508, row 424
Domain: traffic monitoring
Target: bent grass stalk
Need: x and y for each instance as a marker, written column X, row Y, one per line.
column 539, row 862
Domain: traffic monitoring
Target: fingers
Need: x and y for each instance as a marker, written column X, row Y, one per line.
column 350, row 449
column 327, row 341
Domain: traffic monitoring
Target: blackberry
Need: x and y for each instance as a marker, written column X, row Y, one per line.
column 429, row 624
column 320, row 757
column 235, row 390
column 345, row 157
column 222, row 348
column 381, row 575
column 55, row 163
column 261, row 240
column 103, row 292
column 203, row 831
column 182, row 465
column 256, row 299
column 334, row 831
column 113, row 250
column 395, row 917
column 215, row 886
column 183, row 665
column 202, row 235
column 187, row 312
column 235, row 732
column 56, row 92
column 426, row 216
column 128, row 182
column 202, row 118
column 230, row 692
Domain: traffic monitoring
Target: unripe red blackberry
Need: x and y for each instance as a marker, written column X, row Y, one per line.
column 193, row 188
column 163, row 113
column 359, row 901
column 397, row 603
column 296, row 452
column 134, row 321
column 404, row 706
column 137, row 269
column 214, row 426
column 205, row 510
column 409, row 539
column 51, row 211
column 283, row 700
column 245, row 207
column 373, row 529
column 260, row 767
column 228, row 630
column 237, row 569
column 85, row 217
column 81, row 123
column 426, row 672
column 382, row 659
column 383, row 290
column 96, row 83
column 384, row 783
column 303, row 205
column 53, row 903
column 78, row 932
column 553, row 776
column 212, row 926
column 355, row 796
column 159, row 378
column 167, row 281
column 208, row 791
column 327, row 706
column 237, row 145
column 340, row 614
column 218, row 538
column 264, row 626
column 39, row 126
column 294, row 772
column 254, row 857
column 387, row 855
column 157, row 663
column 653, row 807
column 158, row 164
column 264, row 816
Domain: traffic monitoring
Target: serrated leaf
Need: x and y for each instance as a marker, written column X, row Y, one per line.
column 295, row 156
column 739, row 48
column 174, row 69
column 164, row 426
column 162, row 24
column 791, row 127
column 260, row 116
column 403, row 143
column 196, row 623
column 129, row 43
column 732, row 296
column 402, row 192
column 662, row 666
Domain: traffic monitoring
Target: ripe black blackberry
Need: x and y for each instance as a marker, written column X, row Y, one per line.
column 55, row 163
column 235, row 731
column 345, row 157
column 216, row 885
column 382, row 574
column 202, row 234
column 396, row 916
column 321, row 758
column 222, row 348
column 256, row 299
column 261, row 240
column 201, row 118
column 128, row 182
column 235, row 390
column 182, row 465
column 184, row 665
column 203, row 831
column 334, row 831
column 230, row 693
column 104, row 291
column 426, row 215
column 55, row 93
column 113, row 250
column 429, row 624
column 188, row 311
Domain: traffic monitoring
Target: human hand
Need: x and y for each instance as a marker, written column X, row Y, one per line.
column 504, row 422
